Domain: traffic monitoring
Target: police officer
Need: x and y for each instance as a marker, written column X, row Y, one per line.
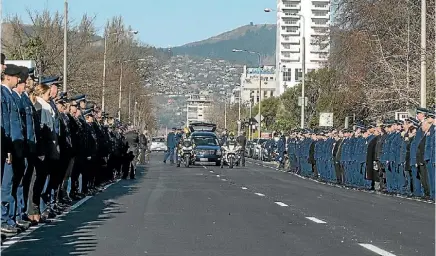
column 12, row 147
column 242, row 142
column 132, row 140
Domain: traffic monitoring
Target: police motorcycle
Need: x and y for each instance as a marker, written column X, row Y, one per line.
column 231, row 154
column 186, row 153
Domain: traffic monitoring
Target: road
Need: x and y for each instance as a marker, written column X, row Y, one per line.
column 205, row 210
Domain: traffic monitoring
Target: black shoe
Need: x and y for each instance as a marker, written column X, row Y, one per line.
column 23, row 224
column 8, row 229
column 44, row 220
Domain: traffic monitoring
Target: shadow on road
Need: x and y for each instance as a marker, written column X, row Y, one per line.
column 73, row 234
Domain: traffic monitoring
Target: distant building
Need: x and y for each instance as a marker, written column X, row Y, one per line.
column 290, row 30
column 197, row 105
column 250, row 85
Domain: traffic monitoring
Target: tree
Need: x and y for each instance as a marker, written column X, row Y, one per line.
column 42, row 41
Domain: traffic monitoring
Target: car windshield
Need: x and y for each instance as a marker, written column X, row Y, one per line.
column 205, row 141
column 158, row 140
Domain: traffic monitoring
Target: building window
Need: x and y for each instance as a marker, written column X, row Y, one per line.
column 298, row 74
column 287, row 75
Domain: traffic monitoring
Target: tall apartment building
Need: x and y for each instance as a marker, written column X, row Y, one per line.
column 249, row 89
column 290, row 29
column 197, row 105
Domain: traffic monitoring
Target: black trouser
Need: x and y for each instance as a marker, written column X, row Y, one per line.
column 56, row 173
column 78, row 168
column 242, row 153
column 27, row 180
column 63, row 190
column 42, row 170
column 18, row 167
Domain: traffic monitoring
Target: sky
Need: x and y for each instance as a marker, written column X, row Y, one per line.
column 161, row 23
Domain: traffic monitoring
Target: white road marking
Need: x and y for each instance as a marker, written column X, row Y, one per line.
column 211, row 171
column 377, row 250
column 244, row 188
column 281, row 204
column 217, row 175
column 30, row 240
column 9, row 242
column 316, row 220
column 223, row 179
column 259, row 194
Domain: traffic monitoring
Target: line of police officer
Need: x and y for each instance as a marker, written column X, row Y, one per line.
column 394, row 156
column 49, row 140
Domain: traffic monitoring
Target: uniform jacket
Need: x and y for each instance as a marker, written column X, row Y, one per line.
column 12, row 124
column 48, row 137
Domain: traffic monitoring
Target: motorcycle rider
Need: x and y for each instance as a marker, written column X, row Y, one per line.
column 230, row 141
column 242, row 141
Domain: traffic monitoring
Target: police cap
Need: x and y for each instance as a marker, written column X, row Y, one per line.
column 12, row 70
column 24, row 74
column 78, row 98
column 54, row 80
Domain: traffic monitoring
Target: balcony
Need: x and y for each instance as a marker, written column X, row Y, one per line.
column 290, row 58
column 321, row 14
column 290, row 40
column 294, row 6
column 290, row 32
column 321, row 6
column 293, row 49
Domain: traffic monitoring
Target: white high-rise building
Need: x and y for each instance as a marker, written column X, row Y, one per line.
column 197, row 106
column 290, row 33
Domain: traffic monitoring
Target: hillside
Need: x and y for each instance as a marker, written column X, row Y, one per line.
column 260, row 38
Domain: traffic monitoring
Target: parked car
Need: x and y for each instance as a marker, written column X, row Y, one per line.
column 158, row 144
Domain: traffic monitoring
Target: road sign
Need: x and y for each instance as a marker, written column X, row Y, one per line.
column 257, row 118
column 401, row 115
column 300, row 101
column 326, row 119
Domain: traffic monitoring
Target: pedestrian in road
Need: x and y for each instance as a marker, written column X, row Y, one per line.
column 143, row 147
column 242, row 141
column 171, row 144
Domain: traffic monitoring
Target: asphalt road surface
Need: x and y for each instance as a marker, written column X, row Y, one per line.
column 208, row 211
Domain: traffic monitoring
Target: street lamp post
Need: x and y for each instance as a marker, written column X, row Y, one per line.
column 423, row 54
column 104, row 64
column 260, row 83
column 121, row 87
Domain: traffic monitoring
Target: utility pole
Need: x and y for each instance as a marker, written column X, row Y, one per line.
column 64, row 87
column 423, row 54
column 303, row 67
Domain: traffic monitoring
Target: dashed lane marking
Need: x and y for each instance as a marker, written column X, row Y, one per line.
column 259, row 194
column 316, row 220
column 223, row 179
column 377, row 250
column 211, row 171
column 217, row 175
column 244, row 188
column 281, row 204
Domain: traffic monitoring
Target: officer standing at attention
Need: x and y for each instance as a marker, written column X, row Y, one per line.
column 281, row 148
column 12, row 147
